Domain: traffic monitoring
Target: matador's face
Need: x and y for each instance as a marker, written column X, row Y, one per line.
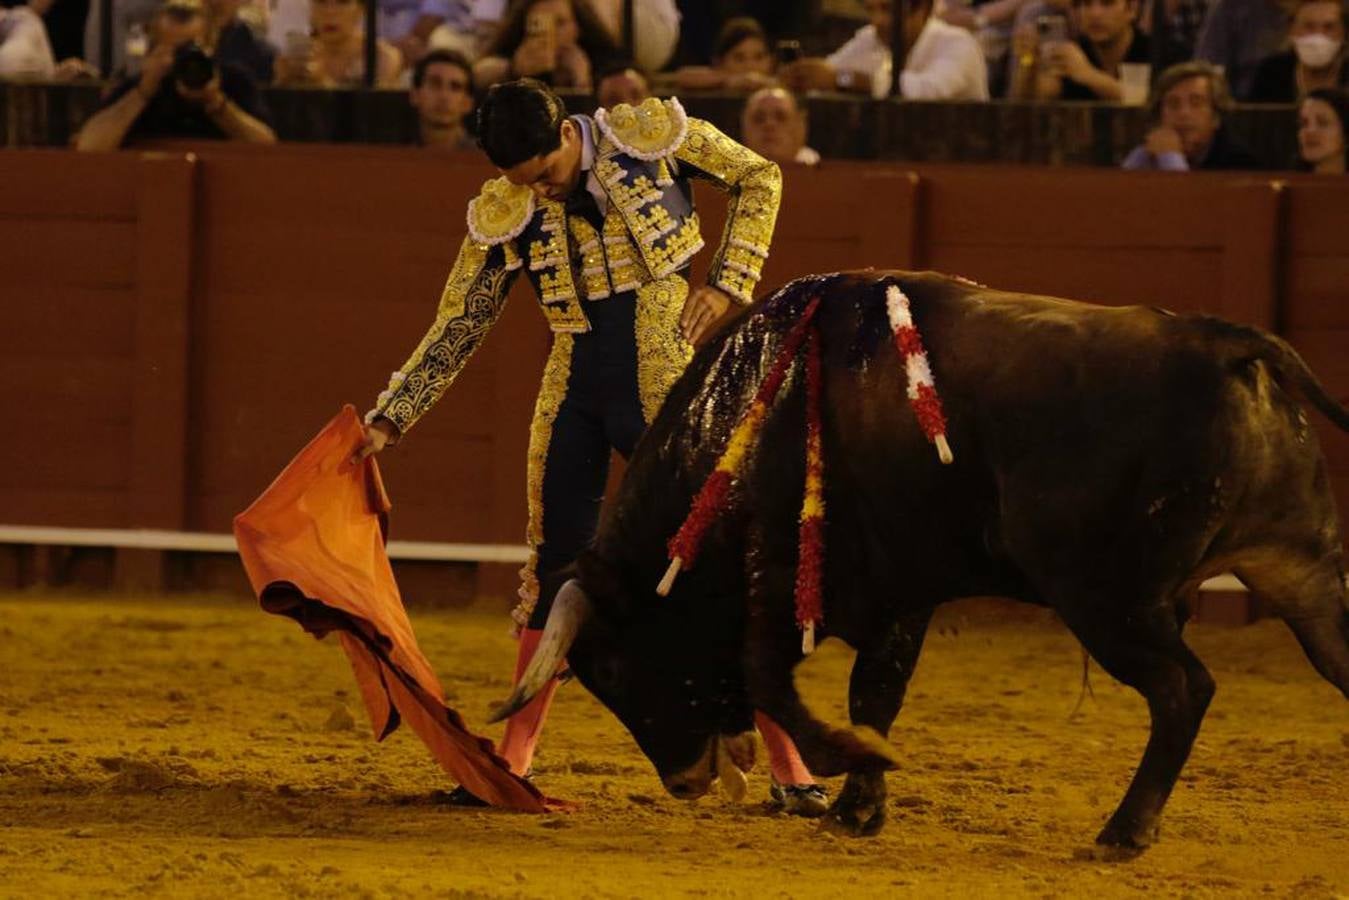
column 552, row 176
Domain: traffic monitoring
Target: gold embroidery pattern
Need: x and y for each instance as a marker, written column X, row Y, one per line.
column 500, row 212
column 552, row 390
column 755, row 185
column 662, row 352
column 472, row 257
column 647, row 220
column 626, row 269
column 551, row 257
column 594, row 278
column 444, row 350
column 651, row 130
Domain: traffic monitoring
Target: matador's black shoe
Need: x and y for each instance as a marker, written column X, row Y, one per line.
column 462, row 796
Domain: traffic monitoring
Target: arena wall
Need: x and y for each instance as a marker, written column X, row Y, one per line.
column 174, row 326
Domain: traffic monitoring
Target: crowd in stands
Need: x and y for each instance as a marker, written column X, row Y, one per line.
column 196, row 68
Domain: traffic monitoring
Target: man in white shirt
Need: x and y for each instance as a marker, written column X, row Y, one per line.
column 26, row 51
column 944, row 62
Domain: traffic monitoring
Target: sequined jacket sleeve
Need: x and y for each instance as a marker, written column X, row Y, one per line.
column 473, row 297
column 755, row 186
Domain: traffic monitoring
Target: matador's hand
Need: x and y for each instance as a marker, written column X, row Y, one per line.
column 703, row 310
column 378, row 435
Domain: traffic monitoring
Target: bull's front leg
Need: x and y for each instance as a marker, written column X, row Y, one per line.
column 880, row 676
column 772, row 651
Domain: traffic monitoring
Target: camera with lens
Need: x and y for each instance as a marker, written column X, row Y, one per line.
column 193, row 67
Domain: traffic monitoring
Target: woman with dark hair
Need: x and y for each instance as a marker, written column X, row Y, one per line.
column 560, row 42
column 743, row 60
column 1320, row 134
column 335, row 54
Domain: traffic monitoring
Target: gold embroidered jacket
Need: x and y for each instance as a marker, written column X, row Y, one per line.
column 644, row 159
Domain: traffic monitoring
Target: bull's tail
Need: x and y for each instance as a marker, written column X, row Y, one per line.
column 1250, row 344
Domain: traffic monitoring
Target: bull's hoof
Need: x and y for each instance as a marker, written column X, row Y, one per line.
column 855, row 820
column 859, row 810
column 1108, row 853
column 1118, row 842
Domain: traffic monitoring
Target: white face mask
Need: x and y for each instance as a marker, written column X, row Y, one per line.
column 1316, row 51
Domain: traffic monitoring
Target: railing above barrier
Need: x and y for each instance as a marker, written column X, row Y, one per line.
column 841, row 127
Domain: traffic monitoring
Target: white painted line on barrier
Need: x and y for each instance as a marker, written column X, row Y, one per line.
column 150, row 539
column 203, row 542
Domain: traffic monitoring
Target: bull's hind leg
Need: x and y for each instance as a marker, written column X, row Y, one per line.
column 880, row 676
column 1308, row 594
column 1144, row 650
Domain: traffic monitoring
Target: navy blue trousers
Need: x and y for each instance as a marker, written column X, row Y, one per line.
column 601, row 412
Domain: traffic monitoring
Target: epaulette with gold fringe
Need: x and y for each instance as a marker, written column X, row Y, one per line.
column 650, row 131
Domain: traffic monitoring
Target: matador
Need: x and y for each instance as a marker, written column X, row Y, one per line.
column 598, row 213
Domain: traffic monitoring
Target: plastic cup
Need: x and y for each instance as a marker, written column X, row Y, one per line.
column 1135, row 79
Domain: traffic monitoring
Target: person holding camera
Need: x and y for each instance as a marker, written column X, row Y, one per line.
column 1089, row 67
column 334, row 57
column 559, row 42
column 181, row 92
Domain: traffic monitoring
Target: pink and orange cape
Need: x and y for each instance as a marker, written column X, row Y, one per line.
column 313, row 546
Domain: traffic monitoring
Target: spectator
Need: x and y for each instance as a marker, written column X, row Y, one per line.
column 159, row 102
column 1237, row 34
column 1088, row 68
column 1188, row 104
column 655, row 29
column 621, row 83
column 335, row 56
column 469, row 26
column 1316, row 59
column 742, row 60
column 773, row 125
column 991, row 22
column 233, row 41
column 1320, row 136
column 560, row 42
column 130, row 22
column 1038, row 23
column 1180, row 21
column 944, row 62
column 26, row 51
column 442, row 94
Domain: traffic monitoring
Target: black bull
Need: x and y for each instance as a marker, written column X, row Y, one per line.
column 1107, row 461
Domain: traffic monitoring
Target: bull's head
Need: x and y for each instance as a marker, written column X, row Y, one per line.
column 671, row 670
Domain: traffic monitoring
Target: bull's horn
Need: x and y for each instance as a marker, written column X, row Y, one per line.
column 571, row 607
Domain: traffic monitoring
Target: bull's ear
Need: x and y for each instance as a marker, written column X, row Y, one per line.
column 602, row 584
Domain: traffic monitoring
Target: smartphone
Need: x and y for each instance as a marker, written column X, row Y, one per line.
column 1052, row 29
column 787, row 52
column 539, row 23
column 297, row 45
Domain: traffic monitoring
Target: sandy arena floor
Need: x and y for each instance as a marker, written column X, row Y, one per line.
column 203, row 748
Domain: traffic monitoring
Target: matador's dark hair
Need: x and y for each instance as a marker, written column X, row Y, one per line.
column 519, row 120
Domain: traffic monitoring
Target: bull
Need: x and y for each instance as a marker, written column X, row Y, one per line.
column 1107, row 461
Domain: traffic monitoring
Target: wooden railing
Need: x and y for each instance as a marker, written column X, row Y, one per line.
column 841, row 127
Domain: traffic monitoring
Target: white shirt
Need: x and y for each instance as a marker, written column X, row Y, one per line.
column 945, row 63
column 588, row 164
column 25, row 51
column 655, row 29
